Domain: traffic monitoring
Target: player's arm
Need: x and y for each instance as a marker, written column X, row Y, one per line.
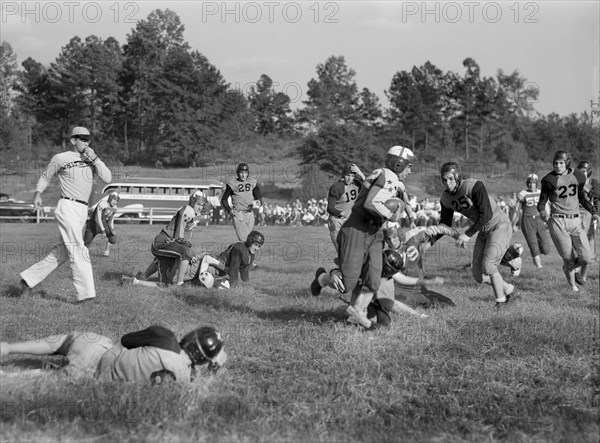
column 407, row 207
column 481, row 200
column 225, row 199
column 101, row 169
column 182, row 219
column 544, row 195
column 405, row 280
column 157, row 336
column 235, row 261
column 581, row 195
column 335, row 192
column 256, row 194
column 358, row 174
column 44, row 180
column 446, row 218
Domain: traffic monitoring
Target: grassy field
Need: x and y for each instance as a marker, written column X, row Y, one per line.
column 296, row 371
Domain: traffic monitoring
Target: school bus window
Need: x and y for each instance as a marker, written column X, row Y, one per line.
column 125, row 189
column 178, row 191
column 137, row 190
column 151, row 190
column 163, row 191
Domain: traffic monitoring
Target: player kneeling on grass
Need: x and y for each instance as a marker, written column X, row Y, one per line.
column 151, row 355
column 102, row 221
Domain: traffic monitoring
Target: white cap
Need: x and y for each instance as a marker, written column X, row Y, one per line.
column 79, row 130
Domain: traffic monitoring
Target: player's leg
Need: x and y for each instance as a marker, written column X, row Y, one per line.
column 70, row 224
column 563, row 244
column 90, row 233
column 495, row 245
column 529, row 230
column 44, row 346
column 584, row 254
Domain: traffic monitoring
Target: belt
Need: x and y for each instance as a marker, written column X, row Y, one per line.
column 565, row 215
column 530, row 216
column 75, row 200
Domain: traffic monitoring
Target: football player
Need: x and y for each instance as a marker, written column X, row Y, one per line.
column 152, row 355
column 534, row 228
column 102, row 221
column 360, row 240
column 589, row 220
column 470, row 198
column 245, row 194
column 172, row 236
column 563, row 187
column 341, row 197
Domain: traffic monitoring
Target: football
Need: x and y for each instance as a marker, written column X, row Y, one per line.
column 394, row 203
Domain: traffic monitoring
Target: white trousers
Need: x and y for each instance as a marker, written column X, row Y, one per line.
column 70, row 217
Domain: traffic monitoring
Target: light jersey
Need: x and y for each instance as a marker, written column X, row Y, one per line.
column 462, row 201
column 242, row 197
column 389, row 186
column 344, row 195
column 103, row 212
column 562, row 191
column 181, row 222
column 76, row 176
column 529, row 201
column 139, row 364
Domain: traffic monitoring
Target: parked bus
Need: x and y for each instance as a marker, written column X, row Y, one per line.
column 156, row 199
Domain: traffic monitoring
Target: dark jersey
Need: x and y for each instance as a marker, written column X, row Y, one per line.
column 471, row 199
column 237, row 259
column 341, row 197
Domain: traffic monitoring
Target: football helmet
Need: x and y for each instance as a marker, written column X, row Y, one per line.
column 114, row 196
column 584, row 164
column 197, row 197
column 347, row 169
column 531, row 178
column 393, row 262
column 206, row 279
column 242, row 167
column 454, row 168
column 398, row 158
column 255, row 237
column 202, row 344
column 564, row 156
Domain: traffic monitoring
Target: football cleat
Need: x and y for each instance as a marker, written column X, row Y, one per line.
column 315, row 286
column 537, row 262
column 501, row 304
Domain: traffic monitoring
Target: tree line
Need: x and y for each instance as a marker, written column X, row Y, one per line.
column 155, row 97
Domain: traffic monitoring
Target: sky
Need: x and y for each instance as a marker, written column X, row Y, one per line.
column 554, row 45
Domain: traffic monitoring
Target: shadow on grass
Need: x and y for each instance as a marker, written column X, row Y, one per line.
column 240, row 305
column 12, row 292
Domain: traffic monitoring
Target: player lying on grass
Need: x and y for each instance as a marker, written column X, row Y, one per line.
column 202, row 271
column 231, row 266
column 407, row 290
column 151, row 355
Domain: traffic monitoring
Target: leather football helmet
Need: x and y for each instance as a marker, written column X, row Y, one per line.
column 197, row 197
column 564, row 156
column 202, row 344
column 398, row 158
column 532, row 178
column 584, row 164
column 454, row 168
column 393, row 261
column 255, row 237
column 206, row 279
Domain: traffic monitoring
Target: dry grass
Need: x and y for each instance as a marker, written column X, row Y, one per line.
column 296, row 371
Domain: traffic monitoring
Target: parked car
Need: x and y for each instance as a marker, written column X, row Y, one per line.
column 12, row 208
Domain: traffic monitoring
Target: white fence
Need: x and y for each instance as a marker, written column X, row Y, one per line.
column 146, row 215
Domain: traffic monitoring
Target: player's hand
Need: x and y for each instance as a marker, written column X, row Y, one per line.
column 462, row 240
column 37, row 200
column 544, row 215
column 436, row 281
column 89, row 154
column 336, row 280
column 413, row 224
column 218, row 362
